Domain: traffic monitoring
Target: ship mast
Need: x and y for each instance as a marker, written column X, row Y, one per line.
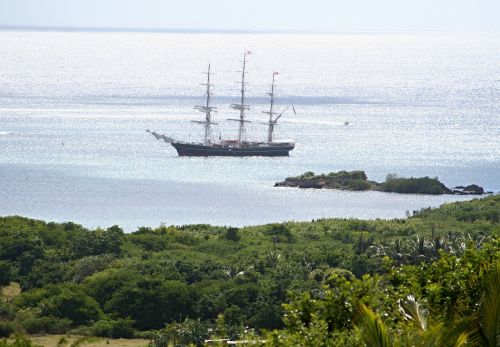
column 272, row 122
column 242, row 106
column 207, row 109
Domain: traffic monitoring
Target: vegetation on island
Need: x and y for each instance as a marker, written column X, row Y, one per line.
column 430, row 279
column 358, row 181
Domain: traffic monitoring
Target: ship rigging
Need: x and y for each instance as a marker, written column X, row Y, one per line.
column 238, row 147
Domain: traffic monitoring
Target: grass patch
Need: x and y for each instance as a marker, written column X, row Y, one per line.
column 54, row 341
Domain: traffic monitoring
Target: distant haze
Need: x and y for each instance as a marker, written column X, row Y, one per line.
column 256, row 15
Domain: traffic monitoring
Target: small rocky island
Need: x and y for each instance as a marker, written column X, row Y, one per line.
column 358, row 181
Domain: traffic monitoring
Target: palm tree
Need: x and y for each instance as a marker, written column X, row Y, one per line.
column 374, row 332
column 481, row 329
column 372, row 329
column 487, row 319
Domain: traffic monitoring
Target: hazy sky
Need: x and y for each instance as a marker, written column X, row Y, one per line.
column 350, row 15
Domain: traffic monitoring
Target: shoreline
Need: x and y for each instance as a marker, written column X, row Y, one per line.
column 350, row 212
column 358, row 181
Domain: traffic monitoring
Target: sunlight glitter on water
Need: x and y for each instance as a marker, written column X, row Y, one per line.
column 74, row 108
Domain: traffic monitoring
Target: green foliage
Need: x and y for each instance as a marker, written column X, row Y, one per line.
column 7, row 328
column 44, row 272
column 477, row 210
column 113, row 328
column 279, row 233
column 151, row 303
column 7, row 310
column 358, row 185
column 464, row 305
column 421, row 185
column 307, row 175
column 102, row 285
column 5, row 273
column 487, row 318
column 99, row 241
column 306, row 279
column 358, row 181
column 353, row 180
column 373, row 331
column 17, row 340
column 232, row 234
column 74, row 304
column 188, row 332
column 16, row 244
column 226, row 330
column 33, row 324
column 67, row 302
column 87, row 266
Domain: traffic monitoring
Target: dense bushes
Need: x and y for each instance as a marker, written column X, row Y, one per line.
column 65, row 304
column 108, row 283
column 358, row 185
column 32, row 323
column 451, row 302
column 98, row 241
column 421, row 185
column 5, row 273
column 358, row 181
column 152, row 303
column 17, row 340
column 7, row 328
column 113, row 328
column 353, row 180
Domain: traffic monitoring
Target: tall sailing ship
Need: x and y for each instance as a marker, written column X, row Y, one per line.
column 238, row 147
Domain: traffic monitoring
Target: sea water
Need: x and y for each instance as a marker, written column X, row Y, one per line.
column 74, row 107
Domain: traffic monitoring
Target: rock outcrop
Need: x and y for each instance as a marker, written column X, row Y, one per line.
column 358, row 181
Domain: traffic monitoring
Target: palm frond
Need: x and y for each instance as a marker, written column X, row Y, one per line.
column 412, row 310
column 489, row 310
column 372, row 329
column 452, row 334
column 462, row 340
column 432, row 337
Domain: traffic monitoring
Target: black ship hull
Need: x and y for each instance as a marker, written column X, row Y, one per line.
column 199, row 150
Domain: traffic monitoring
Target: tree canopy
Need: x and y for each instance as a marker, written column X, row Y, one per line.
column 295, row 279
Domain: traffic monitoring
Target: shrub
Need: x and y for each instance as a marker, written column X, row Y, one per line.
column 59, row 301
column 421, row 185
column 18, row 340
column 98, row 241
column 280, row 233
column 5, row 273
column 114, row 328
column 188, row 332
column 46, row 324
column 232, row 234
column 7, row 328
column 307, row 175
column 152, row 302
column 72, row 304
column 6, row 310
column 87, row 266
column 358, row 175
column 358, row 184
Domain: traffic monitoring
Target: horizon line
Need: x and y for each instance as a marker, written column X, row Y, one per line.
column 226, row 31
